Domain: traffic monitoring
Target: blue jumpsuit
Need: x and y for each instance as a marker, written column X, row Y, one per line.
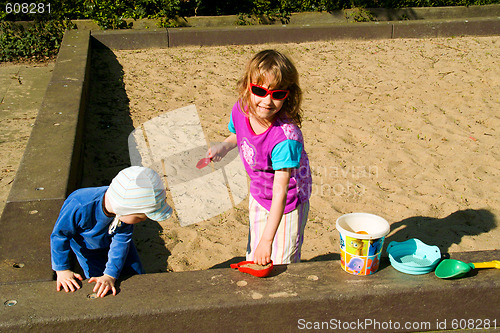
column 82, row 226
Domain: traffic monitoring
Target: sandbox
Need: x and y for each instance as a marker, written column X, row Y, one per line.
column 207, row 299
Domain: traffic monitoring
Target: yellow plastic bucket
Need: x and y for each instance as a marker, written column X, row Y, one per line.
column 361, row 240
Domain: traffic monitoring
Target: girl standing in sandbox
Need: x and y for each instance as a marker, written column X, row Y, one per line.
column 265, row 125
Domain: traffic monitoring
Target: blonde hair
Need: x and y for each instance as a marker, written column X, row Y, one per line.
column 273, row 65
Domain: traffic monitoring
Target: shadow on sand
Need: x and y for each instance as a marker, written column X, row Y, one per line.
column 107, row 127
column 446, row 231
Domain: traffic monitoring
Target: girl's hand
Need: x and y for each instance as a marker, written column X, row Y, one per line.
column 262, row 254
column 219, row 150
column 103, row 284
column 66, row 279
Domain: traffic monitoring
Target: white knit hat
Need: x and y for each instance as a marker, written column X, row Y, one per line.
column 138, row 190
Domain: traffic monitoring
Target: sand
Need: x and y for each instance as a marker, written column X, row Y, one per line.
column 406, row 129
column 22, row 87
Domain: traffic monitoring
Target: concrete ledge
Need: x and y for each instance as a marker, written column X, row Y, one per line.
column 49, row 168
column 426, row 29
column 73, row 59
column 24, row 240
column 224, row 300
column 132, row 39
column 276, row 34
column 239, row 35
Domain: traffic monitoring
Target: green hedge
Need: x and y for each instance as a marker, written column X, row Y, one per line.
column 111, row 12
column 51, row 18
column 38, row 42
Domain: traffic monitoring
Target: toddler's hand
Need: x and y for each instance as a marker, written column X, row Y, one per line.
column 66, row 280
column 103, row 284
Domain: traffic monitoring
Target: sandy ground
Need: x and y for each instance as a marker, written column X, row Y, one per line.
column 406, row 129
column 22, row 87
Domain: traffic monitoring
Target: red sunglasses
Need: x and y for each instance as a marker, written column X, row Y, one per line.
column 263, row 92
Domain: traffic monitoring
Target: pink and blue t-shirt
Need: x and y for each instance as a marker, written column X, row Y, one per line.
column 280, row 146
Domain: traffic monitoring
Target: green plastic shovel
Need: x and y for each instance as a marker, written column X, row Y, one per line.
column 452, row 268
